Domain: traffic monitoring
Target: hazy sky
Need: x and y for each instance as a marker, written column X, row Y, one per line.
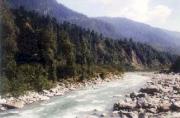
column 159, row 13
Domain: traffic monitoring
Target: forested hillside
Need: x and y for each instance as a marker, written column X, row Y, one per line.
column 37, row 51
column 176, row 66
column 115, row 28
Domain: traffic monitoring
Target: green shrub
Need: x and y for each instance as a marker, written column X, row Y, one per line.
column 14, row 87
column 34, row 76
column 27, row 77
column 4, row 85
column 66, row 71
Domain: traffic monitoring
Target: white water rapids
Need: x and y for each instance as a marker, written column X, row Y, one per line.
column 81, row 103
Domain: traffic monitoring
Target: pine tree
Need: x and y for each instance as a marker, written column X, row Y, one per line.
column 8, row 43
column 48, row 50
column 67, row 49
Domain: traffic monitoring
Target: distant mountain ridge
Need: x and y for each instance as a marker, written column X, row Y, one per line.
column 47, row 7
column 62, row 13
column 117, row 28
column 156, row 37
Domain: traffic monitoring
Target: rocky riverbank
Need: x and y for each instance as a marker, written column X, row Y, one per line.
column 61, row 89
column 160, row 98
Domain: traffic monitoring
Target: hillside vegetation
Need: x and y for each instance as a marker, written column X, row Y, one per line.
column 115, row 28
column 176, row 66
column 37, row 51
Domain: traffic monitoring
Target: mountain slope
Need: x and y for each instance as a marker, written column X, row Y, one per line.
column 62, row 13
column 46, row 7
column 158, row 38
column 117, row 28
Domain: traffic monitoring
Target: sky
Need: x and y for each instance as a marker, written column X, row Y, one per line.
column 159, row 13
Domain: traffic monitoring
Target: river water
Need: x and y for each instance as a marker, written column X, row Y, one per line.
column 82, row 103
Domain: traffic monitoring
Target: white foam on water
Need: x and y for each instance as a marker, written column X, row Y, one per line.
column 87, row 116
column 117, row 96
column 71, row 96
column 81, row 100
column 49, row 104
column 90, row 108
column 13, row 112
column 97, row 101
column 83, row 92
column 26, row 114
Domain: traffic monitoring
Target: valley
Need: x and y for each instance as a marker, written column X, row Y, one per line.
column 59, row 63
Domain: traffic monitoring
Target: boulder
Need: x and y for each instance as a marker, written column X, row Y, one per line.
column 164, row 106
column 152, row 110
column 166, row 90
column 44, row 98
column 153, row 102
column 103, row 115
column 14, row 105
column 2, row 101
column 115, row 114
column 175, row 106
column 150, row 90
column 142, row 103
column 128, row 100
column 176, row 88
column 150, row 82
column 124, row 106
column 140, row 95
column 142, row 115
column 2, row 108
column 125, row 114
column 54, row 90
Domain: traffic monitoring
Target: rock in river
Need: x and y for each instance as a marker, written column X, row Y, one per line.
column 150, row 89
column 14, row 105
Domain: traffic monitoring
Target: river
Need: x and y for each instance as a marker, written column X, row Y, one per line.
column 82, row 103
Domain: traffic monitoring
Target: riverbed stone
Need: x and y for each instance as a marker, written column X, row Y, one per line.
column 2, row 109
column 160, row 97
column 150, row 89
column 127, row 114
column 176, row 106
column 14, row 105
column 2, row 101
column 142, row 115
column 115, row 114
column 165, row 106
column 103, row 115
column 152, row 110
column 122, row 105
column 136, row 94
